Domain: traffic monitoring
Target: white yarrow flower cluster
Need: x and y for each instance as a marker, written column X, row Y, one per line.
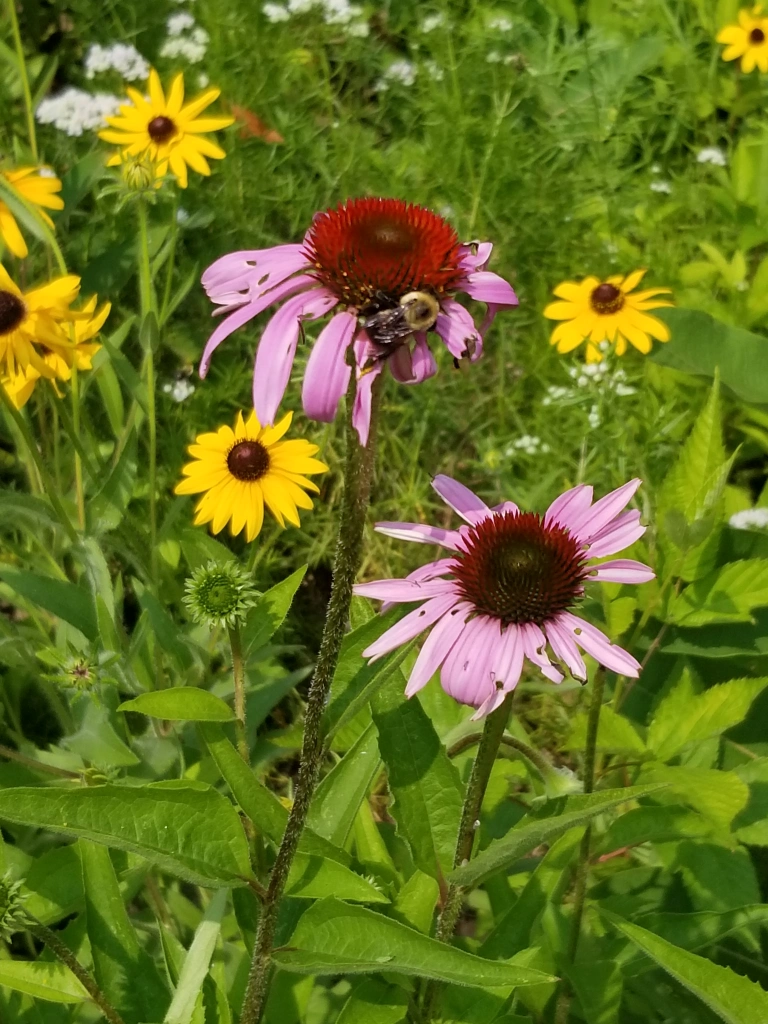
column 403, row 72
column 75, row 111
column 712, row 155
column 334, row 12
column 661, row 186
column 179, row 390
column 593, row 418
column 529, row 444
column 494, row 57
column 178, row 24
column 276, row 13
column 499, row 23
column 432, row 21
column 120, row 57
column 750, row 518
column 185, row 39
column 593, row 376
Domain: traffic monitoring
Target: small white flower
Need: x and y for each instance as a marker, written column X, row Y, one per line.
column 179, row 390
column 358, row 29
column 622, row 390
column 661, row 186
column 434, row 70
column 203, row 81
column 500, row 23
column 493, row 57
column 182, row 216
column 46, row 172
column 432, row 21
column 401, row 71
column 712, row 155
column 655, row 168
column 300, row 6
column 749, row 517
column 75, row 111
column 178, row 24
column 120, row 57
column 275, row 13
column 594, row 418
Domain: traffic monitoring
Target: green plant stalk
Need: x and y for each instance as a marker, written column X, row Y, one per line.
column 48, row 482
column 11, row 7
column 582, row 866
column 147, row 305
column 490, row 741
column 65, row 954
column 171, row 260
column 238, row 674
column 349, row 550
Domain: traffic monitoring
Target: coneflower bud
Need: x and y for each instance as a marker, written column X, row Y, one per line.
column 220, row 594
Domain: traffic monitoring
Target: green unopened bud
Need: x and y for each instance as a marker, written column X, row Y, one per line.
column 12, row 914
column 139, row 173
column 220, row 594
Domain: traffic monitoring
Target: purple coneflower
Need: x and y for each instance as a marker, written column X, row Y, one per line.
column 390, row 271
column 507, row 590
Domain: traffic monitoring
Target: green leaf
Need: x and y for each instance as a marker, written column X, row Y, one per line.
column 180, row 704
column 615, row 733
column 167, row 633
column 124, row 971
column 127, row 374
column 334, row 938
column 728, row 594
column 532, row 832
column 653, row 824
column 51, row 981
column 416, row 902
column 313, row 877
column 80, row 179
column 35, row 512
column 107, row 508
column 197, row 961
column 96, row 741
column 374, row 1002
column 54, row 884
column 59, row 597
column 598, row 985
column 189, row 830
column 683, row 717
column 265, row 619
column 718, row 795
column 700, row 345
column 699, row 930
column 338, row 797
column 734, row 998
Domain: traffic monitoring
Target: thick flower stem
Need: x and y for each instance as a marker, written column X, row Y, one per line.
column 238, row 674
column 11, row 7
column 349, row 549
column 490, row 741
column 65, row 954
column 148, row 305
column 582, row 867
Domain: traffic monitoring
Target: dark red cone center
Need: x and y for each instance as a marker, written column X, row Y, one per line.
column 161, row 129
column 757, row 36
column 248, row 460
column 12, row 311
column 607, row 299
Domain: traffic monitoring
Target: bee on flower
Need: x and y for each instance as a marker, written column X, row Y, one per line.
column 39, row 187
column 165, row 130
column 595, row 312
column 747, row 39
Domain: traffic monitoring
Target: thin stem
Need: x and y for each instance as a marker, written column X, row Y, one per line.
column 238, row 673
column 171, row 260
column 146, row 297
column 29, row 441
column 582, row 867
column 493, row 732
column 79, row 489
column 39, row 766
column 11, row 5
column 349, row 550
column 65, row 954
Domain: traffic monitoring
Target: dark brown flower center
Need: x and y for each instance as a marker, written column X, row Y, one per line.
column 161, row 129
column 248, row 460
column 12, row 312
column 606, row 299
column 757, row 36
column 366, row 249
column 517, row 569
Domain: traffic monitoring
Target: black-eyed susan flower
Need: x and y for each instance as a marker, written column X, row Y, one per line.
column 240, row 471
column 595, row 311
column 165, row 130
column 33, row 320
column 747, row 39
column 38, row 188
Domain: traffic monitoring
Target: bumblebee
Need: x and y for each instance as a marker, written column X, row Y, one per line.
column 390, row 324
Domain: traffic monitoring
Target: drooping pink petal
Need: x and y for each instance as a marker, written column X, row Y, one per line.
column 404, row 590
column 457, row 329
column 486, row 286
column 494, row 700
column 506, row 506
column 361, row 414
column 564, row 646
column 410, row 626
column 251, row 309
column 621, row 533
column 436, row 648
column 474, row 255
column 599, row 646
column 569, row 505
column 622, row 570
column 602, row 512
column 401, row 365
column 277, row 348
column 465, row 674
column 327, row 374
column 534, row 644
column 422, row 534
column 237, row 270
column 511, row 657
column 423, row 362
column 463, row 501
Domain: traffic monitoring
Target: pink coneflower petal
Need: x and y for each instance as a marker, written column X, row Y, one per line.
column 463, row 501
column 411, row 625
column 603, row 511
column 238, row 269
column 599, row 646
column 404, row 590
column 457, row 329
column 436, row 648
column 361, row 413
column 506, row 506
column 511, row 658
column 421, row 534
column 622, row 570
column 564, row 647
column 327, row 374
column 495, row 700
column 569, row 506
column 430, row 571
column 534, row 643
column 486, row 286
column 423, row 362
column 276, row 351
column 465, row 672
column 475, row 256
column 617, row 535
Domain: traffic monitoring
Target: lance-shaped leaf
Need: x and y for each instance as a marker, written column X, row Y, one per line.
column 51, row 981
column 180, row 704
column 269, row 614
column 65, row 600
column 197, row 961
column 344, row 788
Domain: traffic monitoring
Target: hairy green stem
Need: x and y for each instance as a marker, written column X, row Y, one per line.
column 349, row 550
column 582, row 866
column 65, row 954
column 238, row 674
column 11, row 6
column 490, row 741
column 146, row 298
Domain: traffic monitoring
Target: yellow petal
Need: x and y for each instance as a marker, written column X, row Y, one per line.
column 176, row 96
column 562, row 310
column 156, row 95
column 255, row 518
column 631, row 281
column 9, row 232
column 205, row 99
column 272, row 434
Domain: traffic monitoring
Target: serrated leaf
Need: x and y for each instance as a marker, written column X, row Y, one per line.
column 50, row 981
column 689, row 486
column 615, row 733
column 65, row 600
column 654, row 824
column 718, row 795
column 334, row 938
column 313, row 877
column 265, row 619
column 180, row 704
column 189, row 830
column 337, row 798
column 734, row 998
column 728, row 594
column 532, row 832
